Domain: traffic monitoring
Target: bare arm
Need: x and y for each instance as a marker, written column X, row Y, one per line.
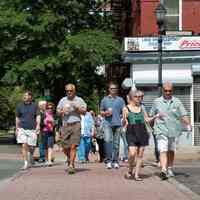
column 60, row 108
column 17, row 121
column 102, row 113
column 184, row 117
column 106, row 113
column 81, row 110
column 93, row 131
column 124, row 117
column 186, row 121
column 149, row 119
column 80, row 106
column 38, row 121
column 60, row 111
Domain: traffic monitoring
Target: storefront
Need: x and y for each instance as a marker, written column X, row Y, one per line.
column 181, row 66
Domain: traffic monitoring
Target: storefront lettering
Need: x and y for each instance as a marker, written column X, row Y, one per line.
column 188, row 44
column 168, row 44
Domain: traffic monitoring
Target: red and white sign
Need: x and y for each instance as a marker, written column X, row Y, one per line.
column 190, row 44
column 170, row 43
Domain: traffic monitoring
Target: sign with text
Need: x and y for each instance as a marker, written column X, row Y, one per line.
column 170, row 43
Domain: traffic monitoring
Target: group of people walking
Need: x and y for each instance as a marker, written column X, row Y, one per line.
column 117, row 119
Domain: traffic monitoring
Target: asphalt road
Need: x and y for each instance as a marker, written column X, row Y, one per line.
column 9, row 160
column 188, row 173
column 9, row 167
column 10, row 149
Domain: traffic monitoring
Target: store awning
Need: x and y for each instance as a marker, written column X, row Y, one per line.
column 178, row 74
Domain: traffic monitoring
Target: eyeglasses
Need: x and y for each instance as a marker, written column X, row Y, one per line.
column 114, row 88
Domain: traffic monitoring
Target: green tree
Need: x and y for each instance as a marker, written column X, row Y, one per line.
column 45, row 43
column 9, row 97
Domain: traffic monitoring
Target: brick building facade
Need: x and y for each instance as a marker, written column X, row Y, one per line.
column 181, row 66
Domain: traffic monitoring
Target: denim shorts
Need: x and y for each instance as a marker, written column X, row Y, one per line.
column 48, row 139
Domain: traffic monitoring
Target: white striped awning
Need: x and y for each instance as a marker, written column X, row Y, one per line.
column 145, row 74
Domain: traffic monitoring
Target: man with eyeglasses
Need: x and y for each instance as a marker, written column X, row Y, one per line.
column 70, row 109
column 111, row 109
column 168, row 126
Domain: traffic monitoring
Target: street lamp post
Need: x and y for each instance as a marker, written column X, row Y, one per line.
column 160, row 17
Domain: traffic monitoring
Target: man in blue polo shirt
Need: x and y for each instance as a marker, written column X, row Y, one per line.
column 27, row 127
column 111, row 109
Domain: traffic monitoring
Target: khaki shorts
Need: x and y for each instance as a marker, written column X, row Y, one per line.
column 27, row 137
column 70, row 134
column 166, row 143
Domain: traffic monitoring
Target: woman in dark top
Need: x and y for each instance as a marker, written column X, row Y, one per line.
column 134, row 118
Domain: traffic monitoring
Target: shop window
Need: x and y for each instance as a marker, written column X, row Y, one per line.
column 197, row 111
column 172, row 16
column 196, row 79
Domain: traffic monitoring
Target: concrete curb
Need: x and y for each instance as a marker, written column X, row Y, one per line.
column 187, row 191
column 6, row 181
column 181, row 187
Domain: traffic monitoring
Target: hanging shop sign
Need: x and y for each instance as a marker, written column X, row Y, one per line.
column 170, row 43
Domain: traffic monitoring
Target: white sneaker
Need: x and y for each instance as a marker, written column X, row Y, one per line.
column 49, row 164
column 116, row 165
column 109, row 165
column 170, row 173
column 25, row 166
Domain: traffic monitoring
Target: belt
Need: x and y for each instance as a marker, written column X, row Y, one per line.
column 70, row 124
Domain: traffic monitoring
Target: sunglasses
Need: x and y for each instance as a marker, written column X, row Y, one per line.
column 114, row 88
column 69, row 90
column 49, row 107
column 167, row 90
column 137, row 96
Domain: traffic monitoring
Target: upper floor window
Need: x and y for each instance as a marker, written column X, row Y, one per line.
column 173, row 14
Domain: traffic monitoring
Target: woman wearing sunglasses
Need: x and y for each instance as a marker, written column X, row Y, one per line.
column 134, row 118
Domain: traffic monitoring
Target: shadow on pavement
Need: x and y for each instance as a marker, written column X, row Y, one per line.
column 79, row 170
column 182, row 174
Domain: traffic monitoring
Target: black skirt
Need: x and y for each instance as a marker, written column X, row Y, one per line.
column 137, row 135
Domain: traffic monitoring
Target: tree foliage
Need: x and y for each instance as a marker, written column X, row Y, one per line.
column 45, row 44
column 9, row 97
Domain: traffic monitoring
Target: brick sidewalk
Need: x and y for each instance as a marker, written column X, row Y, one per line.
column 91, row 182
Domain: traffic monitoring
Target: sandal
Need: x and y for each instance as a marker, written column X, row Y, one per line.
column 129, row 175
column 71, row 170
